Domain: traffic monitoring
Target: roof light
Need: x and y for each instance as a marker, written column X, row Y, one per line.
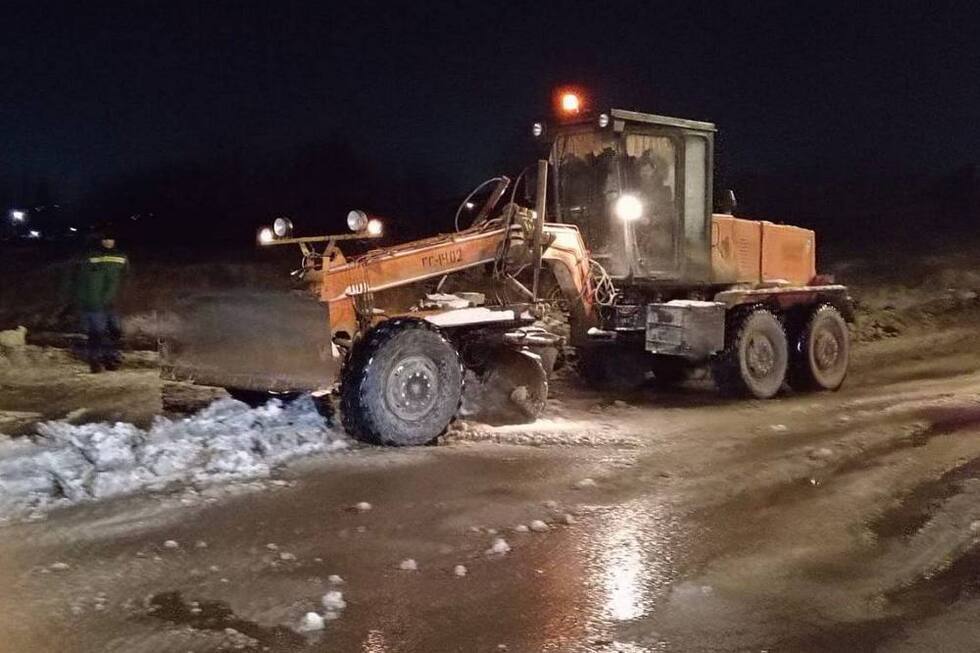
column 537, row 129
column 603, row 120
column 374, row 227
column 571, row 103
column 266, row 236
column 33, row 233
column 18, row 216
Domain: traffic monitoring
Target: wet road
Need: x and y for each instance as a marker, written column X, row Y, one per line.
column 818, row 522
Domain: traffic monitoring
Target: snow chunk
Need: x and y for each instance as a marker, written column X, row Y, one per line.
column 584, row 483
column 311, row 622
column 459, row 570
column 408, row 564
column 59, row 566
column 334, row 600
column 499, row 547
column 65, row 462
column 171, row 544
column 362, row 506
column 539, row 526
column 334, row 579
column 521, row 528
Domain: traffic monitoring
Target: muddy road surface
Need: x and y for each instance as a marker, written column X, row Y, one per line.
column 660, row 522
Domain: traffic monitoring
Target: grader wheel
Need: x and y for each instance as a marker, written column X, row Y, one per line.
column 402, row 385
column 821, row 352
column 755, row 358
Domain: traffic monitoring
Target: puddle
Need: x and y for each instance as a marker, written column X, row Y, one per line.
column 218, row 616
column 918, row 506
column 958, row 582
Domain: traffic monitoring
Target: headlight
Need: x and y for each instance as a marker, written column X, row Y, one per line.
column 374, row 227
column 265, row 236
column 628, row 208
column 603, row 120
column 537, row 129
column 282, row 228
column 357, row 220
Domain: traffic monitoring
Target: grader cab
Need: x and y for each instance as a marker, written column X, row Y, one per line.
column 621, row 238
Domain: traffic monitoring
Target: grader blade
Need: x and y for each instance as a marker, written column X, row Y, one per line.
column 256, row 340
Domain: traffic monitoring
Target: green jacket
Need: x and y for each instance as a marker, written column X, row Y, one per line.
column 98, row 277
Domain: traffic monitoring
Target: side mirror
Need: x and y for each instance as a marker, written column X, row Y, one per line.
column 728, row 203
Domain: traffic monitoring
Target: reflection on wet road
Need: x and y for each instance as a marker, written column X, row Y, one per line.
column 631, row 558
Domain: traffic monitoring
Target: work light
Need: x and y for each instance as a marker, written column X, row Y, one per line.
column 357, row 221
column 282, row 227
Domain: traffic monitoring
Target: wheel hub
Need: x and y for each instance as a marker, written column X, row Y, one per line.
column 760, row 356
column 826, row 350
column 412, row 387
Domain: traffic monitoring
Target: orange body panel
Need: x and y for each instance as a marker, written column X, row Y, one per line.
column 433, row 257
column 736, row 250
column 788, row 254
column 752, row 252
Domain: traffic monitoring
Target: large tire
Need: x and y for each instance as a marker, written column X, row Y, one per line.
column 820, row 352
column 755, row 358
column 402, row 385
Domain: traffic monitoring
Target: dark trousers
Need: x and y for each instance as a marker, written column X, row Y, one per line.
column 103, row 331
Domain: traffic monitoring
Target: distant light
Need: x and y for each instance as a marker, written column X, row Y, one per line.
column 33, row 233
column 18, row 216
column 603, row 120
column 537, row 129
column 470, row 206
column 570, row 103
column 628, row 208
column 374, row 227
column 73, row 229
column 266, row 236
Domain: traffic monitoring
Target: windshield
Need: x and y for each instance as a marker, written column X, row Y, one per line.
column 593, row 171
column 588, row 177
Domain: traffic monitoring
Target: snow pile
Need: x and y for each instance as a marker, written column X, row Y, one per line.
column 225, row 441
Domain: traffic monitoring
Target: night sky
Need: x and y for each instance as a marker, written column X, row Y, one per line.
column 92, row 90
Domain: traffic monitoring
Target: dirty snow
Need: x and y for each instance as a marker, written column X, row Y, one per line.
column 334, row 600
column 408, row 564
column 499, row 547
column 311, row 622
column 67, row 463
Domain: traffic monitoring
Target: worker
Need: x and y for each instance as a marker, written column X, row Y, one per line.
column 98, row 278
